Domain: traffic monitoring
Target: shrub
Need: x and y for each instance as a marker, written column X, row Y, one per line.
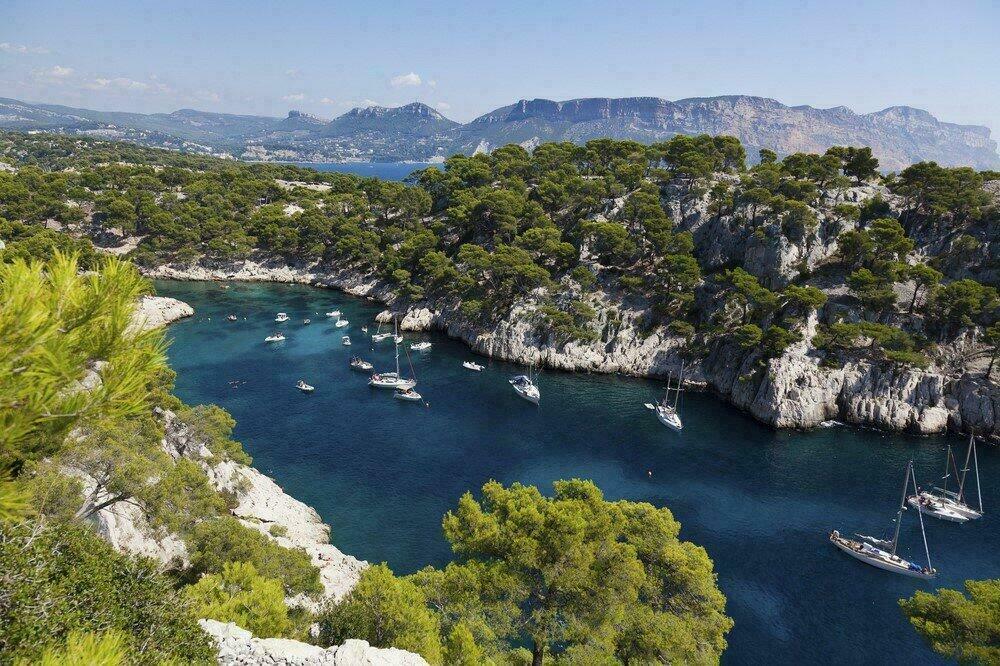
column 216, row 542
column 239, row 594
column 58, row 579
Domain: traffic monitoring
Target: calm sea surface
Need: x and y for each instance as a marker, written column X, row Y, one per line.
column 383, row 170
column 383, row 472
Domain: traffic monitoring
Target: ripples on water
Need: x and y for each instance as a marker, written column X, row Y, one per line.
column 382, row 472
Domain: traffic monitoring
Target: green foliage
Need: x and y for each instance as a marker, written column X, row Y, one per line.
column 85, row 649
column 55, row 322
column 961, row 303
column 959, row 627
column 385, row 611
column 214, row 543
column 58, row 579
column 212, row 426
column 577, row 563
column 894, row 344
column 35, row 242
column 776, row 339
column 804, row 298
column 932, row 191
column 748, row 335
column 239, row 594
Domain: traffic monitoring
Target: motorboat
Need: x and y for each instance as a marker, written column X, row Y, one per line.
column 333, row 313
column 472, row 365
column 364, row 329
column 274, row 337
column 341, row 323
column 407, row 394
column 420, row 346
column 231, row 317
column 307, row 321
column 346, row 340
column 525, row 387
column 360, row 364
column 282, row 317
column 305, row 388
column 882, row 553
column 379, row 337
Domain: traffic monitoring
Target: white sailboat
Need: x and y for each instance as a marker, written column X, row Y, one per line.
column 950, row 505
column 885, row 557
column 392, row 380
column 525, row 387
column 666, row 413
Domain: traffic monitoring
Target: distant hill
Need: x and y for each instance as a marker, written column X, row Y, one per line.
column 899, row 135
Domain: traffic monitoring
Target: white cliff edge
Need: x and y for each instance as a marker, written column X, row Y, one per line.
column 239, row 646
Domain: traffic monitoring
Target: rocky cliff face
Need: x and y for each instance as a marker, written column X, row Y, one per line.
column 792, row 391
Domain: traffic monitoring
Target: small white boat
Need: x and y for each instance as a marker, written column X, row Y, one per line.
column 407, row 394
column 333, row 313
column 525, row 387
column 274, row 337
column 472, row 365
column 281, row 317
column 420, row 346
column 305, row 388
column 346, row 340
column 379, row 337
column 341, row 323
column 364, row 329
column 307, row 321
column 883, row 555
column 231, row 317
column 360, row 364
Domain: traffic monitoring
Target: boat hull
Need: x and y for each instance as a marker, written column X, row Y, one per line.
column 880, row 563
column 665, row 419
column 939, row 512
column 416, row 397
column 392, row 383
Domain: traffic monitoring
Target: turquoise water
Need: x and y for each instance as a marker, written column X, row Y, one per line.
column 383, row 170
column 383, row 472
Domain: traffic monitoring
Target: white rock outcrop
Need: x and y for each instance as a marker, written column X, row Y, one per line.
column 158, row 311
column 238, row 646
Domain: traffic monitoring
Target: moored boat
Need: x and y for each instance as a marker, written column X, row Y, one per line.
column 525, row 387
column 407, row 394
column 420, row 346
column 472, row 365
column 360, row 364
column 274, row 337
column 346, row 340
column 305, row 388
column 282, row 317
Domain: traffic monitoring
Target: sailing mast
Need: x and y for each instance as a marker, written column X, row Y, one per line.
column 680, row 377
column 395, row 342
column 902, row 505
column 947, row 471
column 920, row 516
column 965, row 470
column 975, row 462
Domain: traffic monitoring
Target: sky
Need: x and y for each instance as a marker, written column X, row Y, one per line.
column 468, row 58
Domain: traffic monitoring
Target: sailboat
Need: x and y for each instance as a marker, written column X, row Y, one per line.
column 950, row 505
column 379, row 336
column 525, row 387
column 666, row 412
column 883, row 556
column 393, row 380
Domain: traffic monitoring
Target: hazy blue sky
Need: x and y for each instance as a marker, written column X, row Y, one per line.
column 325, row 57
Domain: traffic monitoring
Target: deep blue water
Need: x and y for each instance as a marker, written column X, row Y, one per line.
column 383, row 170
column 383, row 472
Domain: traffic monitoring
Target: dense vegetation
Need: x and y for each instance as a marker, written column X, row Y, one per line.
column 959, row 627
column 582, row 232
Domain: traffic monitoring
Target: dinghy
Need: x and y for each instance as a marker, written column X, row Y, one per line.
column 346, row 340
column 341, row 323
column 307, row 321
column 282, row 317
column 231, row 317
column 885, row 557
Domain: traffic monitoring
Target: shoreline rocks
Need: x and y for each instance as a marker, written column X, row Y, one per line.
column 792, row 391
column 158, row 311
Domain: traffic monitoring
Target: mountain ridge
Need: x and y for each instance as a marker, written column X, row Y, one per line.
column 899, row 135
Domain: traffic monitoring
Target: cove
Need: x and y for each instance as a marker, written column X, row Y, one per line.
column 383, row 472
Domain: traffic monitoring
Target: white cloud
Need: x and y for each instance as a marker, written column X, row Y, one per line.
column 7, row 47
column 443, row 106
column 123, row 83
column 411, row 79
column 294, row 97
column 328, row 101
column 369, row 102
column 56, row 72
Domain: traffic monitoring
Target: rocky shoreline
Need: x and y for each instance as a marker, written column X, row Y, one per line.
column 793, row 391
